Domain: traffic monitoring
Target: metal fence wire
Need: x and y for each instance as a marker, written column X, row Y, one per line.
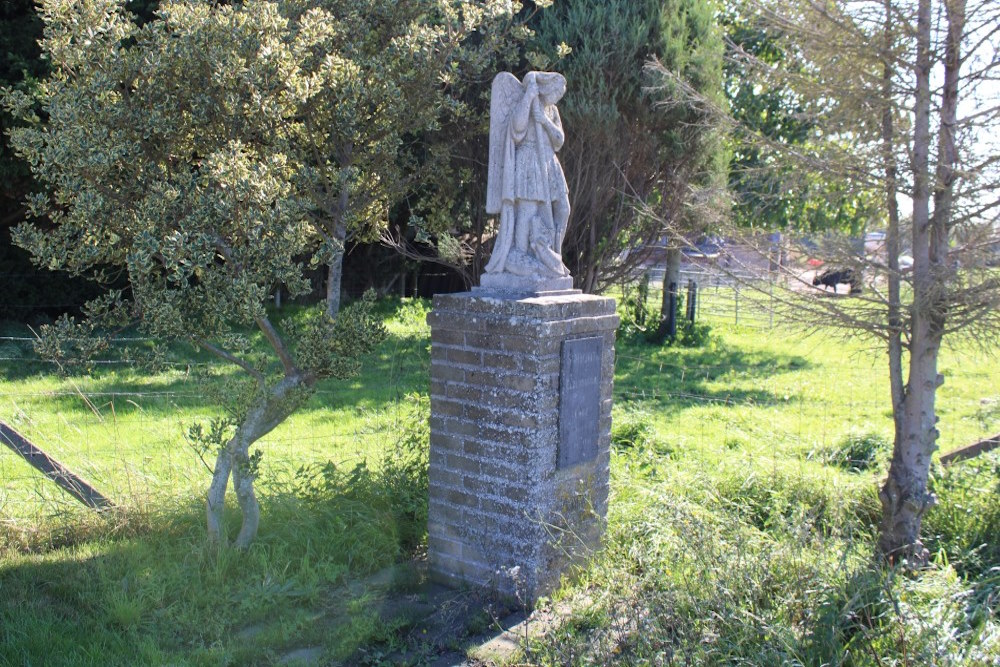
column 124, row 429
column 737, row 298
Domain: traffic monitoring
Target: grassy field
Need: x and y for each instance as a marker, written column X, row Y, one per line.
column 744, row 495
column 745, row 510
column 123, row 428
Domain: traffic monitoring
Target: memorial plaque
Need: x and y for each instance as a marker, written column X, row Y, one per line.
column 579, row 401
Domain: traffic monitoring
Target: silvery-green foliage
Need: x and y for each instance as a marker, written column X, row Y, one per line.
column 70, row 344
column 165, row 153
column 208, row 153
column 207, row 150
column 328, row 347
column 376, row 73
column 207, row 437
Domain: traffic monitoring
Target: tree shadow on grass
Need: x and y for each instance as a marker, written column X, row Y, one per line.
column 679, row 378
column 146, row 588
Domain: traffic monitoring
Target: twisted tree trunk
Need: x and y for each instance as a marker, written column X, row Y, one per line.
column 234, row 460
column 905, row 497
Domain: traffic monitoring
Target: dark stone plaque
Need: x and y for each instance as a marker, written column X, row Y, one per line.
column 579, row 401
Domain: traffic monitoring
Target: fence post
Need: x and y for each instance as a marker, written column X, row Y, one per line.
column 770, row 310
column 692, row 299
column 643, row 299
column 672, row 312
column 69, row 481
column 736, row 296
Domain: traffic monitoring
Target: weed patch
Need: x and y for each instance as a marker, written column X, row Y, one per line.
column 856, row 452
column 963, row 527
column 682, row 583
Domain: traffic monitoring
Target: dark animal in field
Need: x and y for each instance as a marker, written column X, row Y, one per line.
column 834, row 277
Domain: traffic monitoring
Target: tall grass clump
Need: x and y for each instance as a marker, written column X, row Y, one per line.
column 755, row 569
column 382, row 508
column 964, row 525
column 856, row 451
column 632, row 429
column 780, row 500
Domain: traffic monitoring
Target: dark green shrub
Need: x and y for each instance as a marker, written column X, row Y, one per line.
column 693, row 334
column 689, row 334
column 634, row 308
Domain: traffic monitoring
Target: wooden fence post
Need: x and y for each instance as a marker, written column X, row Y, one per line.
column 69, row 481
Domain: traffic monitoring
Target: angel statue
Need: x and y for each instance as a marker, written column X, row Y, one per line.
column 525, row 183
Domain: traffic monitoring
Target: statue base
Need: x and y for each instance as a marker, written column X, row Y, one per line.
column 508, row 285
column 520, row 437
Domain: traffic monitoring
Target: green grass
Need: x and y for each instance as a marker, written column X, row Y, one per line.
column 744, row 514
column 145, row 588
column 123, row 428
column 744, row 483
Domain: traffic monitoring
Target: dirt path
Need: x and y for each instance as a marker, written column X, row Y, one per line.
column 433, row 625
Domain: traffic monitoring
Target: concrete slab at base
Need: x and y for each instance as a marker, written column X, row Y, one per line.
column 519, row 466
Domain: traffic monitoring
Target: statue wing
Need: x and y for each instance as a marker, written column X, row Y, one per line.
column 504, row 96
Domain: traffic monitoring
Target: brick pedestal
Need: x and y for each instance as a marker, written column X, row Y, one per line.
column 520, row 434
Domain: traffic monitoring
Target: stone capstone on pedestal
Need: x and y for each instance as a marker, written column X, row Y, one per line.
column 520, row 436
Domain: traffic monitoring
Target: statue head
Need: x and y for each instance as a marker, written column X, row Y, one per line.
column 551, row 86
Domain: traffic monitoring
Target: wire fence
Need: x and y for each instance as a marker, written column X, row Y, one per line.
column 818, row 403
column 124, row 428
column 737, row 298
column 809, row 402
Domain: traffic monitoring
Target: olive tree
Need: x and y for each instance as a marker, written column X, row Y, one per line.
column 172, row 153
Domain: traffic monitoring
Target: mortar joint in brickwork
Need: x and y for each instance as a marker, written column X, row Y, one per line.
column 481, row 497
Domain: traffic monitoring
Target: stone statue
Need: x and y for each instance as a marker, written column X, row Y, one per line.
column 525, row 184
